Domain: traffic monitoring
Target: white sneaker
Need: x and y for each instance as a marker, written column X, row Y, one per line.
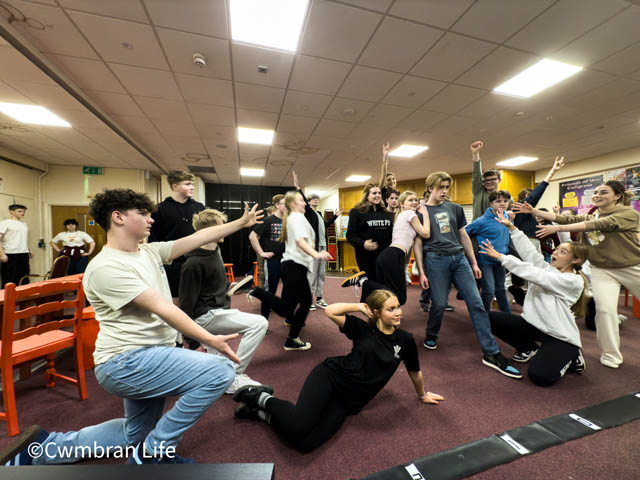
column 240, row 381
column 238, row 285
column 407, row 277
column 621, row 318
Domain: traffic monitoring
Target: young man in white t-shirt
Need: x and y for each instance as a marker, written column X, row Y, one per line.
column 135, row 355
column 73, row 246
column 14, row 248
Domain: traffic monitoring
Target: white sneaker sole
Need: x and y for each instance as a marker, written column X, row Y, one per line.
column 503, row 372
column 239, row 285
column 293, row 349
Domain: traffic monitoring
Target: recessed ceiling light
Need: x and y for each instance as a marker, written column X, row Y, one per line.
column 515, row 161
column 407, row 151
column 252, row 172
column 269, row 23
column 32, row 114
column 358, row 178
column 536, row 78
column 255, row 135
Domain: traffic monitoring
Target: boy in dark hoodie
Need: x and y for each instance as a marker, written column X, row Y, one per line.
column 203, row 296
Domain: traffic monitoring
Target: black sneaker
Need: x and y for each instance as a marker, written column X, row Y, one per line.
column 498, row 362
column 312, row 308
column 243, row 284
column 524, row 357
column 142, row 457
column 246, row 412
column 250, row 394
column 296, row 344
column 578, row 364
column 19, row 452
column 354, row 280
column 449, row 308
column 430, row 343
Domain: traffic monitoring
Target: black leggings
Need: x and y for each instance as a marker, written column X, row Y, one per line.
column 366, row 261
column 553, row 357
column 295, row 293
column 390, row 275
column 315, row 418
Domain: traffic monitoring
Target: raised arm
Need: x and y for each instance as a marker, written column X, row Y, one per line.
column 213, row 234
column 558, row 163
column 524, row 207
column 337, row 311
column 386, row 148
column 476, row 176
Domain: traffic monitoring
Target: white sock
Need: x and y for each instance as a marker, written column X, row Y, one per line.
column 262, row 399
column 264, row 416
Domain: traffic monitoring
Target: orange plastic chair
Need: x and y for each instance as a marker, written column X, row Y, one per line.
column 255, row 274
column 229, row 268
column 42, row 340
column 90, row 330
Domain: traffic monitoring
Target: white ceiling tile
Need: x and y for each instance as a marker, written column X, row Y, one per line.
column 604, row 40
column 180, row 47
column 377, row 5
column 205, row 90
column 337, row 32
column 498, row 67
column 257, row 97
column 317, row 75
column 49, row 96
column 17, row 68
column 432, row 12
column 398, row 44
column 369, row 132
column 172, row 128
column 488, row 105
column 207, row 17
column 108, row 34
column 212, row 114
column 452, row 98
column 305, row 104
column 88, row 74
column 422, row 120
column 140, row 126
column 79, row 118
column 621, row 63
column 387, row 115
column 413, row 91
column 60, row 35
column 605, row 94
column 348, row 110
column 562, row 23
column 451, row 56
column 369, row 84
column 124, row 9
column 146, row 82
column 334, row 128
column 116, row 103
column 295, row 124
column 247, row 59
column 255, row 119
column 453, row 125
column 480, row 20
column 163, row 109
column 11, row 95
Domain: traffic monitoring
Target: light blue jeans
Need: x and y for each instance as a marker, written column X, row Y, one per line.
column 442, row 270
column 144, row 378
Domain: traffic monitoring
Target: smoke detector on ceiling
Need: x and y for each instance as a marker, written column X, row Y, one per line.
column 199, row 60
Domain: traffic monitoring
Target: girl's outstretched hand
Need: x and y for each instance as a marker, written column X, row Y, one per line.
column 487, row 249
column 432, row 398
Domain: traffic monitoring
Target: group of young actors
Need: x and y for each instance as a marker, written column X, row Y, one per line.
column 140, row 311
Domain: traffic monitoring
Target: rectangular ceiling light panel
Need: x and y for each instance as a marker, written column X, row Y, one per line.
column 536, row 78
column 252, row 172
column 32, row 114
column 268, row 23
column 407, row 151
column 255, row 135
column 515, row 161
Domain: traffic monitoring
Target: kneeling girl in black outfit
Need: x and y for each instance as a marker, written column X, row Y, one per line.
column 555, row 291
column 342, row 386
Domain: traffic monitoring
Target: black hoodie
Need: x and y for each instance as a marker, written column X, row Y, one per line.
column 374, row 225
column 203, row 282
column 172, row 220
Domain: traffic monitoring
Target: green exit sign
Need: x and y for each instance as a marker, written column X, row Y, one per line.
column 92, row 170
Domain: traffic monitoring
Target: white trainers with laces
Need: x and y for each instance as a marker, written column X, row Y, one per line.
column 240, row 381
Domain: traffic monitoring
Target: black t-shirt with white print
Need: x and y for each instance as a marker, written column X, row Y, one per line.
column 375, row 356
column 268, row 233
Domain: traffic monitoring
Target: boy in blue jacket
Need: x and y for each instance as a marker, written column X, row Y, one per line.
column 484, row 228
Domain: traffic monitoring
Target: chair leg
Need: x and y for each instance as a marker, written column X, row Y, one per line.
column 9, row 399
column 82, row 381
column 50, row 370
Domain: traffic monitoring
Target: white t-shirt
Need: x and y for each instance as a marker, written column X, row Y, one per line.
column 73, row 239
column 298, row 227
column 112, row 280
column 15, row 237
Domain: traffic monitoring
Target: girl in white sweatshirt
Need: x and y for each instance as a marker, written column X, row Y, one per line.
column 547, row 328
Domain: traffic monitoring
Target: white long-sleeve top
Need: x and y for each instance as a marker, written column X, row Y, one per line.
column 551, row 294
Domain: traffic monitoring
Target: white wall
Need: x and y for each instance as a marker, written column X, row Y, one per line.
column 331, row 202
column 585, row 168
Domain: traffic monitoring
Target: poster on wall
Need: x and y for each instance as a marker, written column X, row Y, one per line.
column 576, row 194
column 632, row 184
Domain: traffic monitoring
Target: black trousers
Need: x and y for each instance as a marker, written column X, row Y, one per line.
column 16, row 267
column 316, row 416
column 554, row 356
column 366, row 261
column 296, row 296
column 389, row 275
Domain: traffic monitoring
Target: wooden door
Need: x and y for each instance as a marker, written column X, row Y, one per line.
column 85, row 223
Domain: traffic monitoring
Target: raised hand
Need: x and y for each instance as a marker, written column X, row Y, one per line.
column 558, row 163
column 432, row 398
column 487, row 249
column 386, row 148
column 364, row 308
column 476, row 146
column 338, row 212
column 502, row 219
column 252, row 216
column 295, row 180
column 522, row 207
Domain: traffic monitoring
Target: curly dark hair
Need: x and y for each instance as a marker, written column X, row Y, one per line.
column 118, row 199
